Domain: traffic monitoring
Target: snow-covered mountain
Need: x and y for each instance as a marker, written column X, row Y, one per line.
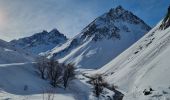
column 40, row 42
column 144, row 66
column 9, row 54
column 102, row 40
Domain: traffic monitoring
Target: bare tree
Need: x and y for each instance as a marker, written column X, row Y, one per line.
column 41, row 65
column 69, row 74
column 54, row 71
column 98, row 84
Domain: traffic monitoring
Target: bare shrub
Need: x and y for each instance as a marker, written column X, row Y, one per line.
column 69, row 74
column 41, row 66
column 98, row 83
column 54, row 71
column 114, row 87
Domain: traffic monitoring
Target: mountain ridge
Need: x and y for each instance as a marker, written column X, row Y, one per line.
column 104, row 30
column 40, row 42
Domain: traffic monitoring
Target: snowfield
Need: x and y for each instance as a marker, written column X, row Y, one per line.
column 140, row 72
column 21, row 82
column 9, row 54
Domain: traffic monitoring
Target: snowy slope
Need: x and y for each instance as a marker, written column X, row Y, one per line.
column 17, row 73
column 21, row 82
column 102, row 40
column 18, row 76
column 40, row 42
column 9, row 54
column 142, row 66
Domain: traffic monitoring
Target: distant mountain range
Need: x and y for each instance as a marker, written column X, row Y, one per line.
column 40, row 42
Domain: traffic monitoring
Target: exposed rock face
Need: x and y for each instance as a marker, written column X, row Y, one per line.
column 166, row 21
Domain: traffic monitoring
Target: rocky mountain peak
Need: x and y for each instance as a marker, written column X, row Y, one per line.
column 41, row 42
column 44, row 31
column 117, row 10
column 55, row 31
column 108, row 25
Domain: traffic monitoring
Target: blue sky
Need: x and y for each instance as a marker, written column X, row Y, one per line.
column 20, row 18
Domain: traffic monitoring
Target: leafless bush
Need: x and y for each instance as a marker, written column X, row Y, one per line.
column 54, row 71
column 41, row 66
column 69, row 74
column 114, row 87
column 98, row 83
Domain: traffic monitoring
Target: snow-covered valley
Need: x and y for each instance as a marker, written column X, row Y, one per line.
column 113, row 58
column 21, row 82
